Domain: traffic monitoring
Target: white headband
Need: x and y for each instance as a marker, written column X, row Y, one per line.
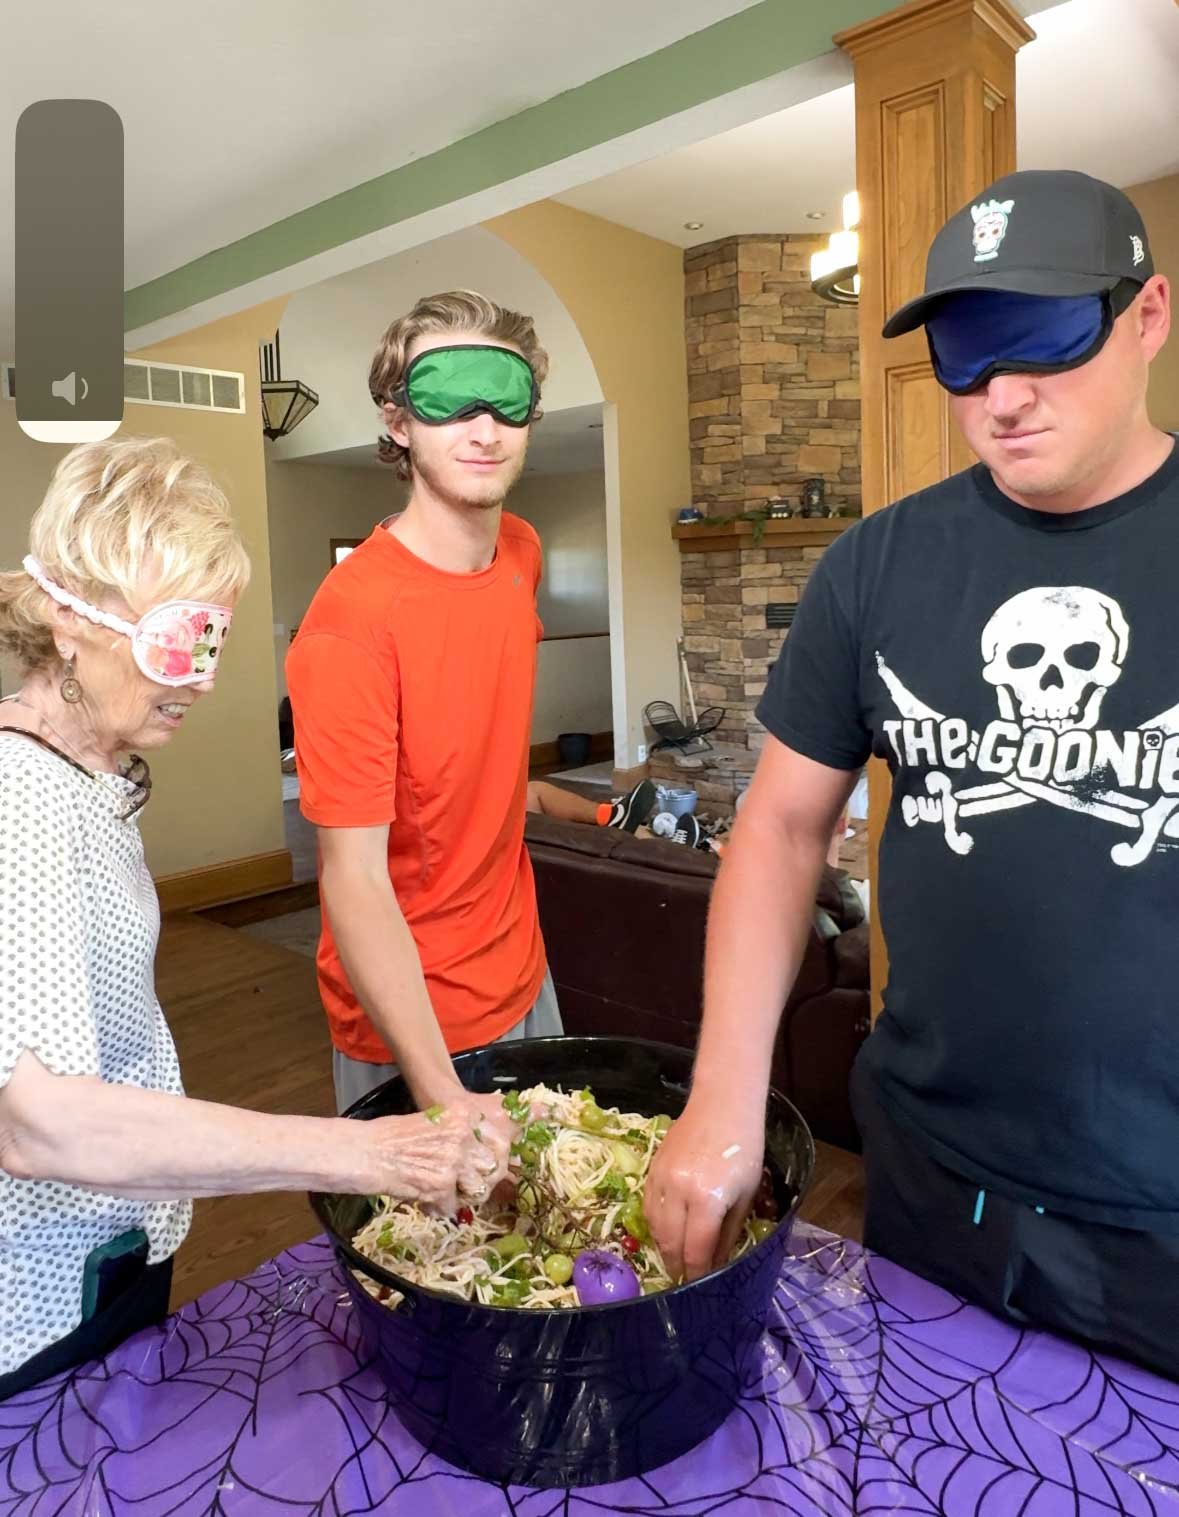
column 63, row 597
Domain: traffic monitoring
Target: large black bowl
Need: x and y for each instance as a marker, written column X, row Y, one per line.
column 573, row 1397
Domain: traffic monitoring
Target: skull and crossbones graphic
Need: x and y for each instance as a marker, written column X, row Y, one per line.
column 1052, row 654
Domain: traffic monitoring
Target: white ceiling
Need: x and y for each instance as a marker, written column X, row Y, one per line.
column 1098, row 90
column 562, row 442
column 244, row 113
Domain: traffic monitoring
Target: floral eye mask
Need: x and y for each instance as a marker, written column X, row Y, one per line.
column 179, row 643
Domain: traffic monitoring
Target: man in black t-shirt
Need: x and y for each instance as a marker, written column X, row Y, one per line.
column 1006, row 642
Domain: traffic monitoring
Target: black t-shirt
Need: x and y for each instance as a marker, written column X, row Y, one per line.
column 1019, row 672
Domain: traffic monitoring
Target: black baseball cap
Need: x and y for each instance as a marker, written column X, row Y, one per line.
column 1037, row 232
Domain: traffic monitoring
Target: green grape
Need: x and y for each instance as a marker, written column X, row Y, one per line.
column 633, row 1219
column 559, row 1268
column 511, row 1246
column 626, row 1160
column 592, row 1117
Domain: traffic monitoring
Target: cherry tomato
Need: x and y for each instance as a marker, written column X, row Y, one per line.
column 631, row 1245
column 464, row 1215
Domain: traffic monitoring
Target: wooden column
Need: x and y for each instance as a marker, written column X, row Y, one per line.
column 935, row 124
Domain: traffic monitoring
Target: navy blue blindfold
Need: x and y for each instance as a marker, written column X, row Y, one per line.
column 974, row 335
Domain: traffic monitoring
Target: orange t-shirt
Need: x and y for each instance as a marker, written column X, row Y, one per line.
column 412, row 696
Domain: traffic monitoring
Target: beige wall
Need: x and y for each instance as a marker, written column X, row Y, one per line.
column 217, row 793
column 1159, row 203
column 573, row 689
column 626, row 294
column 569, row 513
column 309, row 505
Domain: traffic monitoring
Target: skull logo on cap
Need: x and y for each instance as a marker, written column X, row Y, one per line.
column 990, row 227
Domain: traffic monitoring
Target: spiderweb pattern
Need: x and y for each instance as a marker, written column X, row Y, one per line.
column 876, row 1393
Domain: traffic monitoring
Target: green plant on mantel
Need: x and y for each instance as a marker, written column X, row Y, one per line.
column 758, row 519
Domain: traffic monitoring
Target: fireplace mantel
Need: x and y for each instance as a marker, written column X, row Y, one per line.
column 783, row 532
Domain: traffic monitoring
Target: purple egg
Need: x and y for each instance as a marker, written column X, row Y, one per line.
column 599, row 1277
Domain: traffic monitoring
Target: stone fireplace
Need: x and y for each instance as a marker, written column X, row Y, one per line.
column 773, row 376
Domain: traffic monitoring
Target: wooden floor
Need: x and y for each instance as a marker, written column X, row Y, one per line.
column 250, row 1030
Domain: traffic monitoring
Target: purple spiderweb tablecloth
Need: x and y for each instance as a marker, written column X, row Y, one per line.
column 877, row 1393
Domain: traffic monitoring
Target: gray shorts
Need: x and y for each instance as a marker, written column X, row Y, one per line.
column 355, row 1077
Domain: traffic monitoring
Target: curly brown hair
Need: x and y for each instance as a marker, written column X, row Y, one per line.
column 455, row 311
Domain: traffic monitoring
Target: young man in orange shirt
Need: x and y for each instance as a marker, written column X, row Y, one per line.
column 412, row 685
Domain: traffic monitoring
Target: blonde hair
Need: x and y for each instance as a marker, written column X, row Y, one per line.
column 456, row 311
column 117, row 514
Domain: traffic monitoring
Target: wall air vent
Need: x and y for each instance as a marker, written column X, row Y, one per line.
column 165, row 384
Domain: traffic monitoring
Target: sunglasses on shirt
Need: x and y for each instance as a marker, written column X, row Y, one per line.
column 445, row 385
column 975, row 335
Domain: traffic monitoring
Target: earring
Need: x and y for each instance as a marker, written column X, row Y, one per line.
column 71, row 690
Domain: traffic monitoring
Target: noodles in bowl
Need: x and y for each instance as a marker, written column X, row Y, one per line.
column 553, row 1396
column 566, row 1230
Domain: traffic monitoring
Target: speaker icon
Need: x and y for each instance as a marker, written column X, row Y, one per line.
column 66, row 389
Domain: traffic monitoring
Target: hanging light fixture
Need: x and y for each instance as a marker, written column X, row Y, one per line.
column 835, row 271
column 285, row 402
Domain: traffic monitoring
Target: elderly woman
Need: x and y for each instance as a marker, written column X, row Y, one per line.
column 119, row 619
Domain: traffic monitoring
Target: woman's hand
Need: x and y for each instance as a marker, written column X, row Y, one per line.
column 450, row 1154
column 490, row 1124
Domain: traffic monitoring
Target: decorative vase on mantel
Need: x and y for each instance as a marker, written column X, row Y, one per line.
column 813, row 497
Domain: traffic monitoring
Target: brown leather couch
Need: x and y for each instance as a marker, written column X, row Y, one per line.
column 623, row 921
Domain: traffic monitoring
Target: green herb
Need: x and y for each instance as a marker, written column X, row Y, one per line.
column 433, row 1113
column 515, row 1106
column 540, row 1134
column 613, row 1185
column 510, row 1293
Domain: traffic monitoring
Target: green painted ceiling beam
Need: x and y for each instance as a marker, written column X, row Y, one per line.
column 751, row 46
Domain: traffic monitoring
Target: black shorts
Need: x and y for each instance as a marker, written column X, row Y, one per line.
column 1114, row 1289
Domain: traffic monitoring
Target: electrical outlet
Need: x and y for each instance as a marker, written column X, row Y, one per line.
column 642, row 753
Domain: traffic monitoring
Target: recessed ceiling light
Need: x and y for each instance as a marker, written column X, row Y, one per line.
column 692, row 226
column 816, row 215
